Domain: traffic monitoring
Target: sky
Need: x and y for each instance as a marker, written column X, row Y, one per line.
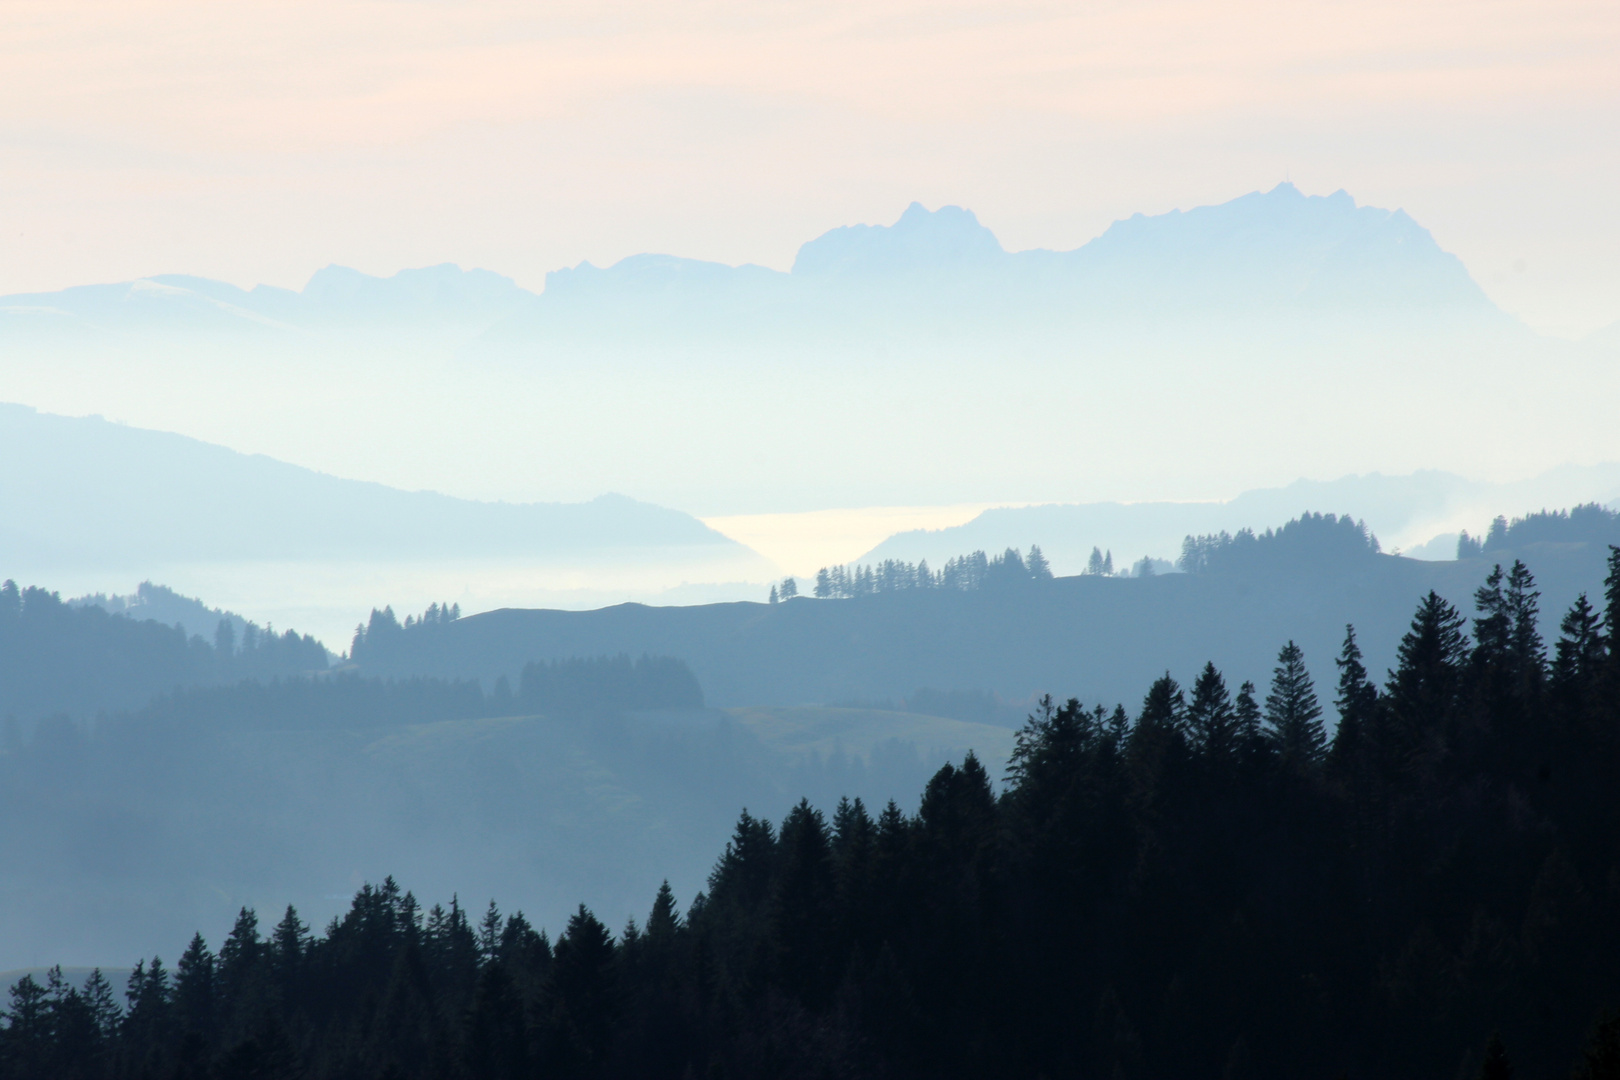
column 256, row 142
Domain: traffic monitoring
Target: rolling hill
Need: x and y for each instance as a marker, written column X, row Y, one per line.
column 1102, row 639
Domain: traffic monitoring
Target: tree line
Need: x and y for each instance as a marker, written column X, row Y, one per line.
column 383, row 629
column 963, row 572
column 1589, row 523
column 1206, row 885
column 1309, row 542
column 1312, row 541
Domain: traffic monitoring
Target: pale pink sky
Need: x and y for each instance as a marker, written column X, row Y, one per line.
column 257, row 142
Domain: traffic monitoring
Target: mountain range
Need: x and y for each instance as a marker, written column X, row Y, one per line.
column 1172, row 357
column 90, row 502
column 1262, row 252
column 1276, row 251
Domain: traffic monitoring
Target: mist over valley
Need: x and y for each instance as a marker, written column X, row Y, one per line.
column 1255, row 660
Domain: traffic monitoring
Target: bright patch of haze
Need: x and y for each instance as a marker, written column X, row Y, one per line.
column 257, row 142
column 805, row 541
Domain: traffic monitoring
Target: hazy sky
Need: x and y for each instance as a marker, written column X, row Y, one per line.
column 257, row 142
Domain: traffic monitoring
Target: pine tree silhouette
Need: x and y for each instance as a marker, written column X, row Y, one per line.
column 1293, row 716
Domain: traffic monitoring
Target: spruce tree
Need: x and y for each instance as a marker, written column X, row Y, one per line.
column 147, row 1019
column 1579, row 654
column 27, row 1034
column 1493, row 623
column 98, row 993
column 852, row 830
column 1164, row 708
column 1119, row 726
column 80, row 1043
column 1039, row 568
column 1293, row 716
column 194, row 990
column 665, row 919
column 1525, row 648
column 1158, row 743
column 586, row 996
column 1422, row 690
column 1356, row 702
column 1246, row 718
column 743, row 874
column 1211, row 723
column 489, row 934
column 1610, row 647
column 802, row 908
column 239, row 955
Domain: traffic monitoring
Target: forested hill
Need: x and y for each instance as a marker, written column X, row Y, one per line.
column 1104, row 636
column 80, row 660
column 1202, row 886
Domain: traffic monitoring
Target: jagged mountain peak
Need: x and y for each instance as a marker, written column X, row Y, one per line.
column 921, row 239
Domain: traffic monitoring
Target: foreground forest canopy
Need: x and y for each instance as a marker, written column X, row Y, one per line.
column 1207, row 887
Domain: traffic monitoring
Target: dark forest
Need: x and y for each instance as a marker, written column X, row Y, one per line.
column 1207, row 887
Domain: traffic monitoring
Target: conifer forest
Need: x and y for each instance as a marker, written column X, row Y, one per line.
column 791, row 541
column 1207, row 884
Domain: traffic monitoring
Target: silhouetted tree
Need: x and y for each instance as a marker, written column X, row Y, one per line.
column 1357, row 704
column 1293, row 716
column 1211, row 723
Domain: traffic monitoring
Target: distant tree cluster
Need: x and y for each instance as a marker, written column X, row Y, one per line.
column 384, row 629
column 1589, row 523
column 1311, row 541
column 80, row 660
column 264, row 654
column 964, row 572
column 1209, row 886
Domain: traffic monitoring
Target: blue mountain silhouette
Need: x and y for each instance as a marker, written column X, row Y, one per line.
column 1276, row 250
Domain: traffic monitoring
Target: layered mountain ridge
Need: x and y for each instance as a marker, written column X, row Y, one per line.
column 1277, row 249
column 87, row 492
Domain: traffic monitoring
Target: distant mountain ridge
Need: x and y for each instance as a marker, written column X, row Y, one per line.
column 1202, row 340
column 1278, row 251
column 334, row 296
column 1280, row 248
column 87, row 492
